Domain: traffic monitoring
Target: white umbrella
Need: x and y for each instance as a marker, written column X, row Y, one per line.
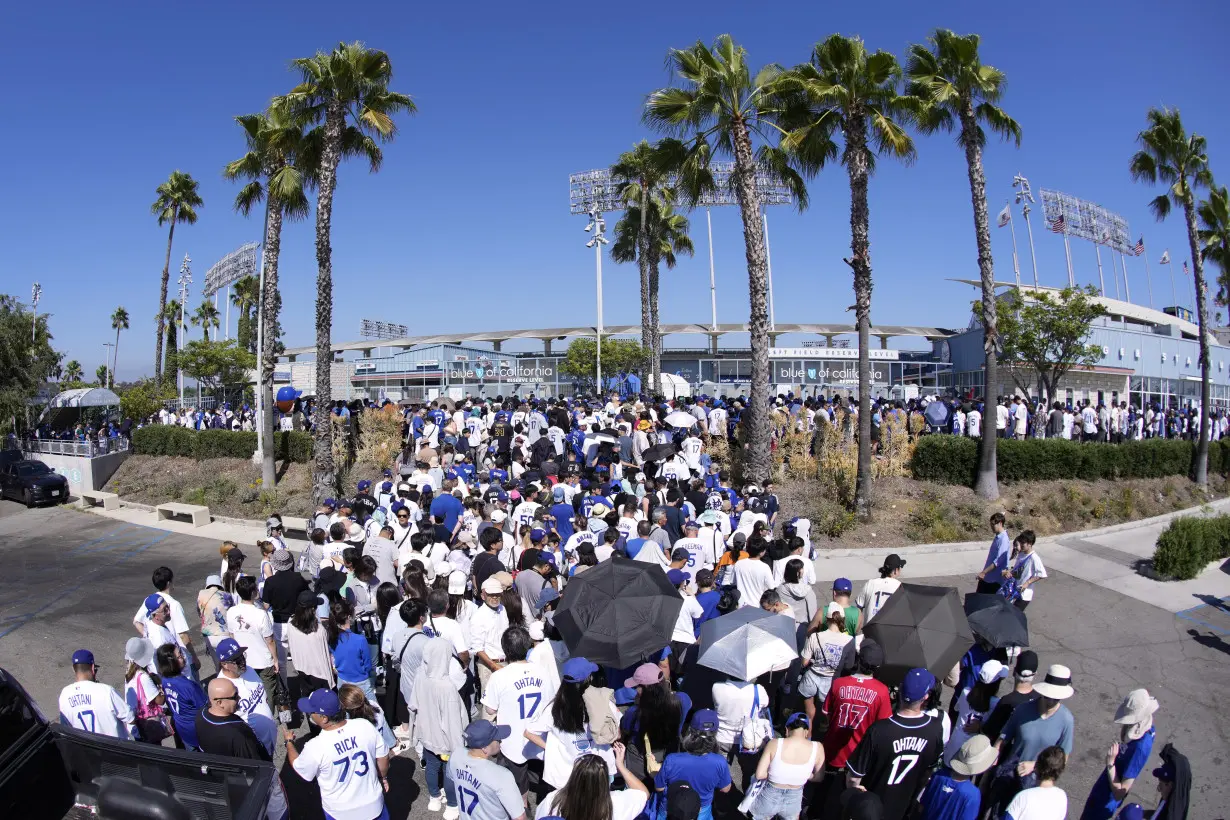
column 680, row 419
column 748, row 642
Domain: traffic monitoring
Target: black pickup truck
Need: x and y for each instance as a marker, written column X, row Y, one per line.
column 49, row 771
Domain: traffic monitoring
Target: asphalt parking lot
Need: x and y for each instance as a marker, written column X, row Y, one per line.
column 73, row 580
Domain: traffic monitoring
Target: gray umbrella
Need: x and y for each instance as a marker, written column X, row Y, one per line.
column 748, row 642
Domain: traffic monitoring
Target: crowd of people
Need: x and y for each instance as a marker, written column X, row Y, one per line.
column 420, row 620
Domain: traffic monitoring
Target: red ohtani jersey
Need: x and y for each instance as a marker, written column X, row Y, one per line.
column 853, row 704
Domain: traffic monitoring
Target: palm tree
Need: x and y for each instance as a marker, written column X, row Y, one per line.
column 72, row 371
column 1169, row 155
column 244, row 296
column 177, row 202
column 349, row 83
column 119, row 321
column 948, row 76
column 1214, row 236
column 170, row 362
column 723, row 111
column 206, row 316
column 279, row 166
column 845, row 89
column 101, row 375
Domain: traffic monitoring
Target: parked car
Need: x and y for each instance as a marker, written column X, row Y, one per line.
column 32, row 482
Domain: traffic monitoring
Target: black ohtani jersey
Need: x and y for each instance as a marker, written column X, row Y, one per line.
column 895, row 758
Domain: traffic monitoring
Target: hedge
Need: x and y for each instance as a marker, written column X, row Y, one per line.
column 954, row 459
column 166, row 440
column 1187, row 546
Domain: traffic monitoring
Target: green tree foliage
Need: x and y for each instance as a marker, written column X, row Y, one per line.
column 26, row 364
column 143, row 399
column 1214, row 237
column 72, row 372
column 173, row 329
column 176, row 203
column 243, row 297
column 101, row 374
column 216, row 364
column 206, row 316
column 618, row 355
column 1047, row 334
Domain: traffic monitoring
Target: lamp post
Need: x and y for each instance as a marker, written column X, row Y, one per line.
column 1025, row 196
column 598, row 226
column 107, row 358
column 36, row 293
column 185, row 279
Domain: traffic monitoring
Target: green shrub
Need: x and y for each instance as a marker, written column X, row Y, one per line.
column 1188, row 544
column 166, row 440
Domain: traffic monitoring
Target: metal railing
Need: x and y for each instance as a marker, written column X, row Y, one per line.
column 85, row 449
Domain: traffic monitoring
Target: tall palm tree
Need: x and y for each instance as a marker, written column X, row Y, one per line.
column 279, row 166
column 1180, row 161
column 722, row 110
column 170, row 361
column 206, row 316
column 101, row 375
column 667, row 234
column 119, row 321
column 72, row 371
column 1214, row 236
column 177, row 202
column 244, row 296
column 959, row 92
column 349, row 84
column 846, row 90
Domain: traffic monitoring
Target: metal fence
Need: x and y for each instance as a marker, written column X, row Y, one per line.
column 87, row 449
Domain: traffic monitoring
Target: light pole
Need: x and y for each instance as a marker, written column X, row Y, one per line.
column 768, row 260
column 712, row 282
column 36, row 293
column 185, row 279
column 107, row 358
column 1016, row 263
column 1024, row 196
column 598, row 226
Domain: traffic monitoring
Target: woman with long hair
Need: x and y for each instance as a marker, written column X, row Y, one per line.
column 653, row 723
column 234, row 570
column 787, row 765
column 574, row 730
column 697, row 763
column 309, row 644
column 460, row 605
column 184, row 696
column 358, row 707
column 414, row 581
column 975, row 705
column 266, row 547
column 587, row 795
column 822, row 656
column 142, row 693
column 388, row 596
column 513, row 605
column 224, row 550
column 352, row 657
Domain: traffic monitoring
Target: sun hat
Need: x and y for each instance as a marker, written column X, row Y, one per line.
column 492, row 587
column 321, row 702
column 281, row 560
column 647, row 674
column 482, row 733
column 354, row 532
column 1057, row 684
column 1137, row 706
column 992, row 671
column 213, row 581
column 577, row 670
column 505, row 579
column 139, row 651
column 274, row 523
column 456, row 582
column 974, row 757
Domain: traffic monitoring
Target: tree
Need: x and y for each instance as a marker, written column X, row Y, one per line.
column 1214, row 236
column 173, row 325
column 1168, row 155
column 119, row 321
column 723, row 111
column 351, row 82
column 26, row 364
column 206, row 316
column 177, row 202
column 618, row 356
column 244, row 295
column 959, row 92
column 845, row 89
column 143, row 399
column 102, row 374
column 72, row 371
column 216, row 364
column 1047, row 334
column 280, row 166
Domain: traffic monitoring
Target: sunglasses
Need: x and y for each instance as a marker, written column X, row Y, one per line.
column 229, row 697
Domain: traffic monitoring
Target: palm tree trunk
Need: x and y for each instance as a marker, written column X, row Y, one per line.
column 756, row 435
column 860, row 245
column 1202, row 316
column 323, row 478
column 115, row 356
column 987, row 483
column 647, row 292
column 162, row 302
column 270, row 305
column 656, row 331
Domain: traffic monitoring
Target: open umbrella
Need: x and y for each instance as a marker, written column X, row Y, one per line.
column 681, row 419
column 608, row 436
column 747, row 643
column 920, row 626
column 994, row 619
column 618, row 612
column 659, row 452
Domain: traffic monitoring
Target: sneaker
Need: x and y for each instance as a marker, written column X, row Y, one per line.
column 434, row 804
column 451, row 813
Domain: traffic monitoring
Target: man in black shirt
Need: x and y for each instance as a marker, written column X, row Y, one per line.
column 487, row 563
column 895, row 758
column 222, row 732
column 364, row 505
column 281, row 592
column 1026, row 668
column 674, row 515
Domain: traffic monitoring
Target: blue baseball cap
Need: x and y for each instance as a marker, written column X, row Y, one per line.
column 538, row 534
column 1164, row 772
column 83, row 656
column 482, row 733
column 386, row 487
column 1132, row 811
column 288, row 393
column 690, row 524
column 227, row 649
column 559, row 492
column 677, row 577
column 364, row 484
column 704, row 720
column 152, row 602
column 917, row 685
column 547, row 595
column 331, row 503
column 320, row 702
column 842, row 585
column 578, row 670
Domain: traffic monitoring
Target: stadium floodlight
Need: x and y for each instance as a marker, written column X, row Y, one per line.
column 36, row 293
column 599, row 189
column 384, row 331
column 230, row 269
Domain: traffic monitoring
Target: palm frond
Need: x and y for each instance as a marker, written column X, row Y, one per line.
column 999, row 122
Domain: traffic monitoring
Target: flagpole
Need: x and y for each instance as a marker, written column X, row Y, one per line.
column 1097, row 248
column 1033, row 257
column 1148, row 278
column 1016, row 267
column 1174, row 297
column 1126, row 287
column 1067, row 248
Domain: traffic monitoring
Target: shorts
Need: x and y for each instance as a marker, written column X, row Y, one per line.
column 520, row 773
column 813, row 684
column 775, row 802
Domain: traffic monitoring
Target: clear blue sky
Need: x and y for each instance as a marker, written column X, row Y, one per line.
column 466, row 226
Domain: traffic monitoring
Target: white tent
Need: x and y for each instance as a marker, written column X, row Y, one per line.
column 86, row 397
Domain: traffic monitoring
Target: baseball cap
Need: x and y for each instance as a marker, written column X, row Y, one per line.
column 796, row 720
column 273, row 522
column 1132, row 811
column 538, row 534
column 331, row 503
column 680, row 554
column 647, row 674
column 228, row 649
column 917, row 685
column 834, row 608
column 547, row 595
column 363, row 485
column 1027, row 664
column 83, row 656
column 871, row 654
column 578, row 670
column 991, row 671
column 677, row 577
column 492, row 587
column 691, row 525
column 739, row 539
column 404, row 487
column 1162, row 772
column 704, row 720
column 482, row 733
column 152, row 602
column 307, row 598
column 320, row 702
column 456, row 582
column 558, row 492
column 893, row 561
column 213, row 581
column 498, row 516
column 842, row 585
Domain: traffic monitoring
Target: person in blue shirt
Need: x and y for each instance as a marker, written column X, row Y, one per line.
column 184, row 696
column 996, row 565
column 446, row 504
column 351, row 656
column 698, row 764
column 1126, row 759
column 562, row 512
column 951, row 793
column 707, row 596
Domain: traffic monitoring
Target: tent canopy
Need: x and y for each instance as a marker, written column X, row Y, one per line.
column 86, row 397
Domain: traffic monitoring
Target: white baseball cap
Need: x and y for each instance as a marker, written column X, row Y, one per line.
column 456, row 582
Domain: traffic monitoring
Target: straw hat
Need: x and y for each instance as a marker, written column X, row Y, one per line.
column 974, row 757
column 1057, row 684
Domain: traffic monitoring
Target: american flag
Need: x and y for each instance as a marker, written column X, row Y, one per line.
column 1185, row 270
column 1057, row 224
column 1139, row 250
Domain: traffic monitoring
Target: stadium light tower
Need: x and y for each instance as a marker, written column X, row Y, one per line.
column 36, row 293
column 597, row 225
column 185, row 279
column 1025, row 196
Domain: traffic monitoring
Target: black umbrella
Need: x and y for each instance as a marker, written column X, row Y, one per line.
column 920, row 626
column 660, row 452
column 618, row 612
column 994, row 619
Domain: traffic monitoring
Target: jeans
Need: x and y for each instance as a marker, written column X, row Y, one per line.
column 369, row 691
column 775, row 802
column 436, row 770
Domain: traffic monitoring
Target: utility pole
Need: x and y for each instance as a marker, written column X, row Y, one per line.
column 1024, row 197
column 598, row 226
column 36, row 293
column 185, row 279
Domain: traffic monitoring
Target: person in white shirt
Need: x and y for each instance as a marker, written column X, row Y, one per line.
column 753, row 577
column 876, row 591
column 973, row 423
column 1020, row 418
column 684, row 634
column 1027, row 568
column 441, row 626
column 1001, row 418
column 734, row 701
column 253, row 705
column 163, row 579
column 1089, row 423
column 487, row 625
column 703, row 553
column 1046, row 801
column 519, row 695
column 252, row 628
column 94, row 707
column 348, row 759
column 158, row 630
column 717, row 422
column 543, row 653
column 690, row 448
